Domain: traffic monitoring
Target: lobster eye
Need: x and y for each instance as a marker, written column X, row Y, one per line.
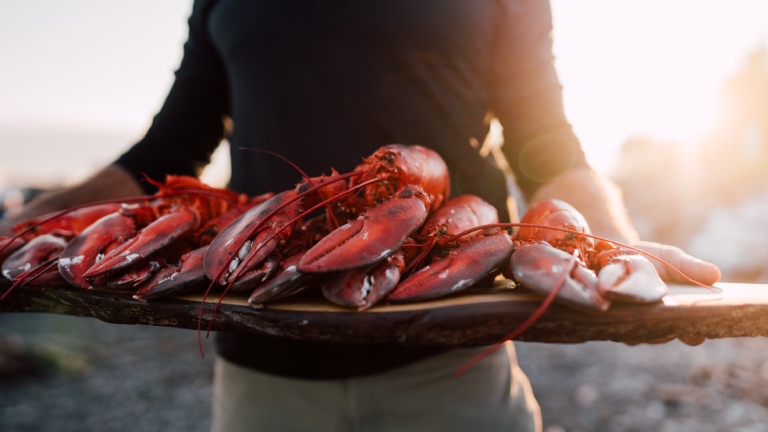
column 389, row 157
column 405, row 193
column 442, row 229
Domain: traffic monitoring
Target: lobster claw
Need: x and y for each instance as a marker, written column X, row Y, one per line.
column 631, row 278
column 87, row 247
column 250, row 280
column 139, row 274
column 148, row 240
column 370, row 238
column 287, row 281
column 235, row 243
column 462, row 268
column 36, row 252
column 363, row 287
column 538, row 266
column 179, row 278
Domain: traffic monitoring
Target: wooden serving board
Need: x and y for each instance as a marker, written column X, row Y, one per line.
column 475, row 317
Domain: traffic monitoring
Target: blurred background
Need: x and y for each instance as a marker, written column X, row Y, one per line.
column 669, row 98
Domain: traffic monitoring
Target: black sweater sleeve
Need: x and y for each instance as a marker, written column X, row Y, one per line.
column 190, row 123
column 539, row 143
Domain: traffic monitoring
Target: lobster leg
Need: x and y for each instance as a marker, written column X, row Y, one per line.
column 370, row 238
column 538, row 267
column 462, row 268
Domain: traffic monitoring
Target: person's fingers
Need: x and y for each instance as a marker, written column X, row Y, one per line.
column 696, row 269
column 692, row 340
column 686, row 339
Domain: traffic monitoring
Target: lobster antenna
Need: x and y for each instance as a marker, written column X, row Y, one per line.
column 296, row 167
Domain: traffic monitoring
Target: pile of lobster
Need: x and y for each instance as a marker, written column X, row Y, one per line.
column 384, row 232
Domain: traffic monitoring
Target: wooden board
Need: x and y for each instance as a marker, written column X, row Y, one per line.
column 476, row 317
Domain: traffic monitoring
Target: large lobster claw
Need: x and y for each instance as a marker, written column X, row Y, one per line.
column 237, row 244
column 538, row 267
column 148, row 240
column 462, row 268
column 631, row 278
column 87, row 247
column 363, row 287
column 370, row 238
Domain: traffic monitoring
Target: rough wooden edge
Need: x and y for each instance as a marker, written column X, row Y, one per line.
column 453, row 325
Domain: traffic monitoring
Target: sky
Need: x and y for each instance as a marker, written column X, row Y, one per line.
column 80, row 80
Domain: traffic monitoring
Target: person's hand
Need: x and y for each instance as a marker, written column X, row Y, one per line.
column 686, row 339
column 696, row 269
column 600, row 201
column 601, row 204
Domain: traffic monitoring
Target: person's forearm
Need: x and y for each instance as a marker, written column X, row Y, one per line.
column 111, row 182
column 597, row 198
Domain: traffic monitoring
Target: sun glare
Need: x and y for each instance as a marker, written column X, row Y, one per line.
column 652, row 67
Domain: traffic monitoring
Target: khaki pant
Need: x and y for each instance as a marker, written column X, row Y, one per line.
column 494, row 395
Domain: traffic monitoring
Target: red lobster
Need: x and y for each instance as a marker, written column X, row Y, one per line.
column 134, row 237
column 550, row 233
column 363, row 287
column 31, row 254
column 412, row 178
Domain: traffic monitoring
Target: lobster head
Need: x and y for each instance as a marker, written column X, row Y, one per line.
column 558, row 214
column 399, row 165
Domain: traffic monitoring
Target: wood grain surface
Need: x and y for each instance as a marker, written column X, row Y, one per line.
column 475, row 317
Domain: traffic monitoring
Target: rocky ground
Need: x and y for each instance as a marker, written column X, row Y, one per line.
column 79, row 374
column 603, row 386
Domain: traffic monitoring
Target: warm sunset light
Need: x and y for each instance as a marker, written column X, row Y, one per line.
column 650, row 67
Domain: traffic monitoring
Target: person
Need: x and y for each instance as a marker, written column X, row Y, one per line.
column 325, row 83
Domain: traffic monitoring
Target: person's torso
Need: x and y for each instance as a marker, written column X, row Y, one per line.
column 326, row 83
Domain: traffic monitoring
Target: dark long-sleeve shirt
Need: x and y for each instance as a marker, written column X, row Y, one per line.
column 325, row 83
